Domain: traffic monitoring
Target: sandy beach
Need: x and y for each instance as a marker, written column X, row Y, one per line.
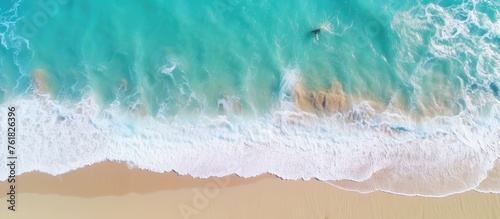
column 112, row 190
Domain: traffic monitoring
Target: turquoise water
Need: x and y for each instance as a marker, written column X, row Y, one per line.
column 117, row 49
column 437, row 60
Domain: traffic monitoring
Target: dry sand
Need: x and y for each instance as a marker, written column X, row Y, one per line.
column 111, row 190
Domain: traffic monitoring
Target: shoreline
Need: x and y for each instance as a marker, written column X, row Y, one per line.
column 62, row 184
column 110, row 174
column 111, row 190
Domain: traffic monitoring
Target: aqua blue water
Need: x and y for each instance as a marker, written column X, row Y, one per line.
column 169, row 59
column 238, row 48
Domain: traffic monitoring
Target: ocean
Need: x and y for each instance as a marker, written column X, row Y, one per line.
column 397, row 96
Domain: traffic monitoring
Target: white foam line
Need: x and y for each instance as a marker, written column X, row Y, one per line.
column 57, row 138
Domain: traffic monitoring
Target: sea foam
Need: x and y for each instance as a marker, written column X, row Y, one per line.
column 440, row 157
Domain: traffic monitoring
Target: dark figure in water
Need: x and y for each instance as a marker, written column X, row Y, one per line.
column 316, row 32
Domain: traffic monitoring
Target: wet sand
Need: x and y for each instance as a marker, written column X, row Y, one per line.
column 321, row 101
column 112, row 190
column 41, row 81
